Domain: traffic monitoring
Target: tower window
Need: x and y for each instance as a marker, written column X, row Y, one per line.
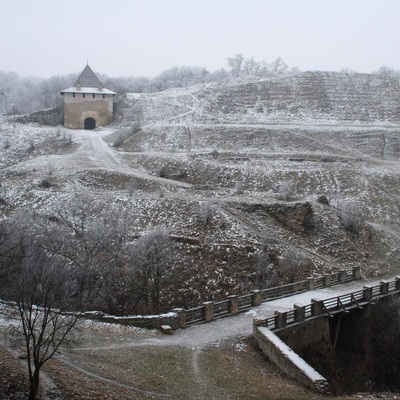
column 104, row 96
column 94, row 96
column 73, row 94
column 83, row 95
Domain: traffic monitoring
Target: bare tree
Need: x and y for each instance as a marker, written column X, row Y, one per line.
column 153, row 257
column 265, row 275
column 250, row 66
column 387, row 72
column 236, row 64
column 295, row 266
column 278, row 66
column 43, row 294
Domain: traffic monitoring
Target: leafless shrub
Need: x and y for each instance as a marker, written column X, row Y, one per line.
column 45, row 183
column 215, row 153
column 161, row 171
column 265, row 273
column 351, row 216
column 239, row 188
column 46, row 180
column 31, row 144
column 205, row 213
column 274, row 270
column 131, row 187
column 287, row 190
column 68, row 139
column 294, row 266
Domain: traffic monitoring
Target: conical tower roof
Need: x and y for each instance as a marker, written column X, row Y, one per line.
column 88, row 78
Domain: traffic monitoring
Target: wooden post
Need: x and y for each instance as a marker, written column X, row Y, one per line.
column 256, row 299
column 327, row 280
column 233, row 304
column 208, row 311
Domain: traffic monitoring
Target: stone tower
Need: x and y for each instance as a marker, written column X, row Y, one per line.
column 87, row 104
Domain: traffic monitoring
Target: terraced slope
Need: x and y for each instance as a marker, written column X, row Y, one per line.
column 309, row 96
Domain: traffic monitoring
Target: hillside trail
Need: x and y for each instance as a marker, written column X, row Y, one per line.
column 93, row 153
column 100, row 155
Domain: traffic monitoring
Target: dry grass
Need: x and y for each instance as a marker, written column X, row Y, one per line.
column 117, row 365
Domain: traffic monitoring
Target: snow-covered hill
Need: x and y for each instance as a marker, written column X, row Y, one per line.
column 272, row 163
column 323, row 97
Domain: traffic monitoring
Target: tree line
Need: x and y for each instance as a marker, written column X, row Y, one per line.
column 22, row 95
column 90, row 242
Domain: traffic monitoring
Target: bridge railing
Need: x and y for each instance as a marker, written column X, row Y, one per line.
column 232, row 305
column 241, row 303
column 330, row 306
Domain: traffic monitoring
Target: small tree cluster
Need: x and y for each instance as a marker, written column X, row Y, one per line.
column 241, row 66
column 93, row 239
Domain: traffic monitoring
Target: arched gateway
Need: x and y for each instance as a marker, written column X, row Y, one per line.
column 90, row 123
column 87, row 104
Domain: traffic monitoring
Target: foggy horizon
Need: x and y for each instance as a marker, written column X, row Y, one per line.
column 144, row 38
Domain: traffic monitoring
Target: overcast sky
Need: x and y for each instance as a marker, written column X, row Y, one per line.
column 145, row 37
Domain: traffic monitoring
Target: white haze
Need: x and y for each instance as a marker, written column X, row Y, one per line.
column 144, row 37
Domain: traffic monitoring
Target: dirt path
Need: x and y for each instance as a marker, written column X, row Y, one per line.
column 67, row 361
column 393, row 232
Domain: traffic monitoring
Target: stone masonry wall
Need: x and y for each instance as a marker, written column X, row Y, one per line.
column 78, row 108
